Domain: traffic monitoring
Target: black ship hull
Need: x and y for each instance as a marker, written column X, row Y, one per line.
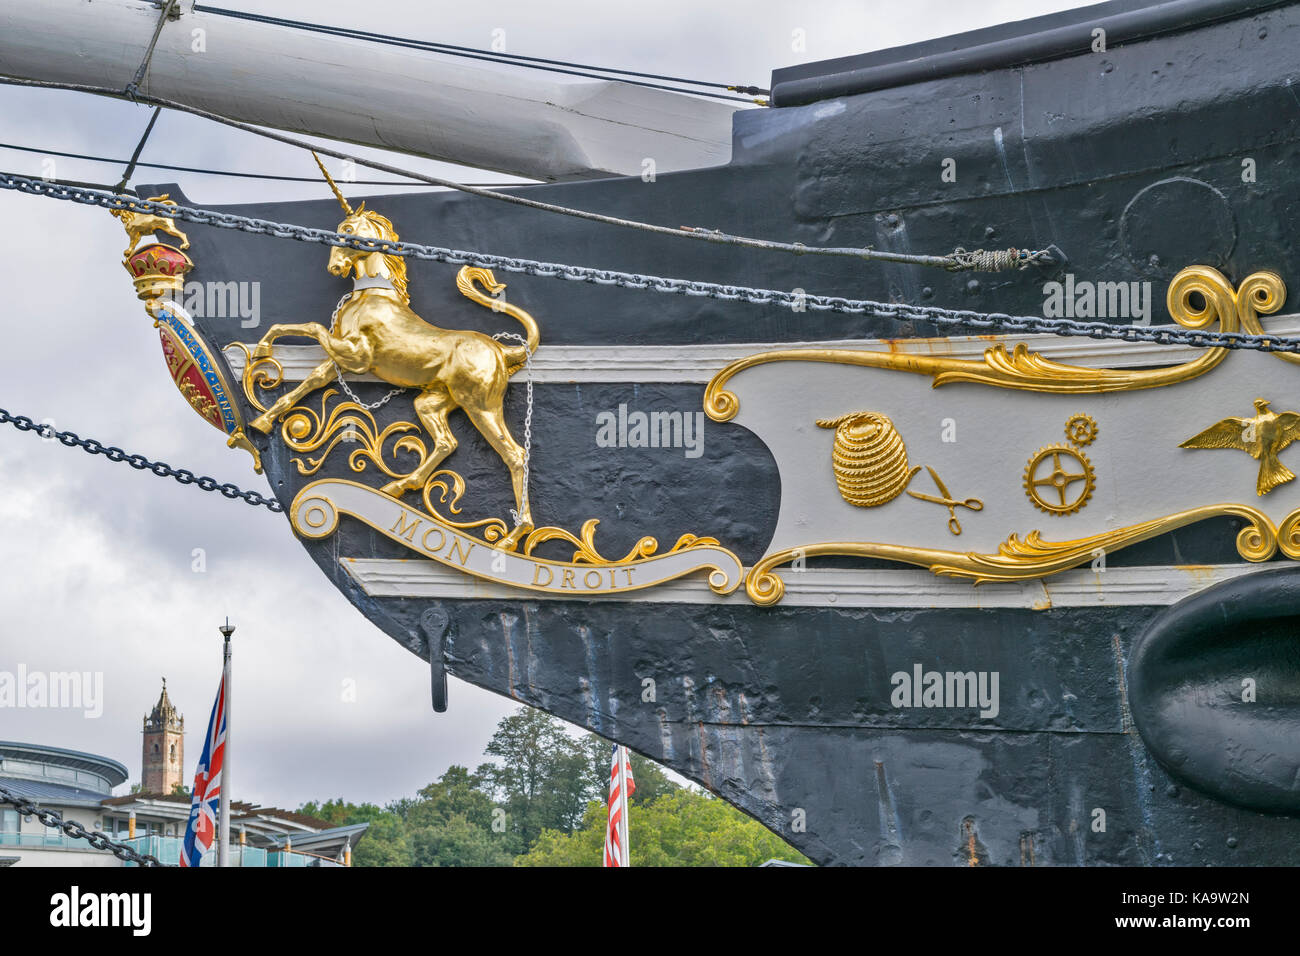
column 1129, row 164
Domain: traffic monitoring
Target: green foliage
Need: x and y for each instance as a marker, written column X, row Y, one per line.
column 680, row 828
column 180, row 790
column 542, row 803
column 459, row 842
column 540, row 780
column 385, row 841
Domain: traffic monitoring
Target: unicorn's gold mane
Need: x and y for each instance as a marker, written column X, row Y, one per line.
column 396, row 265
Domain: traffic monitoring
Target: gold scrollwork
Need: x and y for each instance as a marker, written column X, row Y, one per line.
column 452, row 486
column 305, row 431
column 585, row 544
column 1262, row 292
column 262, row 373
column 1031, row 557
column 1030, row 371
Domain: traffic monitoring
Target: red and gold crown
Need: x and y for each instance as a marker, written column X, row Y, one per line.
column 157, row 270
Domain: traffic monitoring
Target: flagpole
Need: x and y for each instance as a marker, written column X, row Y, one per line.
column 223, row 801
column 624, row 849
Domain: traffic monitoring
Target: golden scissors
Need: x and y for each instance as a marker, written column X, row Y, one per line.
column 948, row 501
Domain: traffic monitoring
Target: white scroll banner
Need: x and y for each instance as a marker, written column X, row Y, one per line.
column 316, row 509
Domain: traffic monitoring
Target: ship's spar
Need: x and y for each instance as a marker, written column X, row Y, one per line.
column 483, row 115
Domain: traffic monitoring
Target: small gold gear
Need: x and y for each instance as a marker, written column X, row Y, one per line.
column 1081, row 430
column 1060, row 479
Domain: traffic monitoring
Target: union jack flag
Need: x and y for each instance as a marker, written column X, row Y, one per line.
column 621, row 786
column 201, row 831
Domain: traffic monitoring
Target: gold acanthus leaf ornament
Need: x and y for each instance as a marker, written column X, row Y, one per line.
column 1022, row 559
column 1197, row 297
column 452, row 487
column 585, row 544
column 305, row 430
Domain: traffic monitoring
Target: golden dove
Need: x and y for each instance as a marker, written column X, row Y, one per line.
column 1261, row 437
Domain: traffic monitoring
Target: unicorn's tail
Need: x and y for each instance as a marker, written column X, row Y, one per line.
column 466, row 281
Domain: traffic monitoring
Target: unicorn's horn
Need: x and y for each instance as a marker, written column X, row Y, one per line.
column 329, row 179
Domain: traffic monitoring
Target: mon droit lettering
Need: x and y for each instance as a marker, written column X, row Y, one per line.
column 437, row 541
column 593, row 580
column 406, row 527
column 404, row 530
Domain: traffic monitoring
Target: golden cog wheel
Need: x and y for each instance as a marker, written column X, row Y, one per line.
column 1059, row 479
column 1081, row 430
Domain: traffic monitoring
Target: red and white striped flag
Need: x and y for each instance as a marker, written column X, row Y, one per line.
column 621, row 786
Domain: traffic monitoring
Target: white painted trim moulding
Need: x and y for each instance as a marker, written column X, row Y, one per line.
column 697, row 364
column 1152, row 586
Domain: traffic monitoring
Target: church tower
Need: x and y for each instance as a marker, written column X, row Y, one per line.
column 164, row 747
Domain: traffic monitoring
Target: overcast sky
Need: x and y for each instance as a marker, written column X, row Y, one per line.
column 96, row 560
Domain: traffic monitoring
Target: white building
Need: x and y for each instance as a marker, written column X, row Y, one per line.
column 80, row 786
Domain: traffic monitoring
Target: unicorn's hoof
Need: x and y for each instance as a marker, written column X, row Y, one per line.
column 395, row 489
column 263, row 423
column 511, row 541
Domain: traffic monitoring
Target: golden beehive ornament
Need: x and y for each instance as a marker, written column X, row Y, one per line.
column 869, row 458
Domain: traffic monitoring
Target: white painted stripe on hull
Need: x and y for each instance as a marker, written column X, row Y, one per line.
column 698, row 363
column 839, row 587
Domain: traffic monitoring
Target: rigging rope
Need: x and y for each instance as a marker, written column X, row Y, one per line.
column 799, row 301
column 139, row 148
column 953, row 262
column 492, row 56
column 165, row 10
column 202, row 171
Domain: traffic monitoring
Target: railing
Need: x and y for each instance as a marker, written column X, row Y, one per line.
column 168, row 850
column 34, row 770
column 49, row 839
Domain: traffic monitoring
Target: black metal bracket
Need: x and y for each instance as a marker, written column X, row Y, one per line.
column 435, row 622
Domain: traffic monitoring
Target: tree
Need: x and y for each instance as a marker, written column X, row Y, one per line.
column 451, row 823
column 679, row 828
column 458, row 791
column 544, row 797
column 458, row 842
column 385, row 842
column 540, row 781
column 180, row 790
